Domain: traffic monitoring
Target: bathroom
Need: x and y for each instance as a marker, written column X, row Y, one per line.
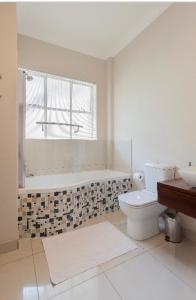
column 93, row 111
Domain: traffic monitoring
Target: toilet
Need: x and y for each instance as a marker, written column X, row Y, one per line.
column 141, row 207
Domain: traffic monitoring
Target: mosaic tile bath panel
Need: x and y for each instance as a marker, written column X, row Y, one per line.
column 45, row 214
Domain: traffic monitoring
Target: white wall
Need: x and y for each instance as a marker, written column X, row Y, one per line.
column 45, row 157
column 154, row 89
column 155, row 94
column 8, row 126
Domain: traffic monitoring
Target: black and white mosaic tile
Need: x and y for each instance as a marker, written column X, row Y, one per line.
column 45, row 214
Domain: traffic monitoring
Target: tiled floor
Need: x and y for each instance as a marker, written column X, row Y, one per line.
column 155, row 270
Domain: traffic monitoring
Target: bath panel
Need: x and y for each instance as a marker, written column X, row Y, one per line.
column 48, row 213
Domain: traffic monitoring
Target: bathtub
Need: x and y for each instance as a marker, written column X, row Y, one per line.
column 52, row 204
column 61, row 181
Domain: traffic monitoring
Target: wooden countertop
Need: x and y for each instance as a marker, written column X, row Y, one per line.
column 178, row 185
column 178, row 195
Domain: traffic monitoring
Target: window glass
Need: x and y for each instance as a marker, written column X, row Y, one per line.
column 58, row 93
column 34, row 90
column 58, row 131
column 34, row 130
column 59, row 108
column 81, row 99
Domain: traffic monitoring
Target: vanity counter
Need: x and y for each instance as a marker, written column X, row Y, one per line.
column 178, row 195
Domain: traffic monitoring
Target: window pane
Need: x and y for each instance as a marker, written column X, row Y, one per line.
column 85, row 120
column 35, row 90
column 48, row 99
column 81, row 97
column 58, row 131
column 58, row 93
column 33, row 130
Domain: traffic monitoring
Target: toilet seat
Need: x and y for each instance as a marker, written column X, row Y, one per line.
column 139, row 199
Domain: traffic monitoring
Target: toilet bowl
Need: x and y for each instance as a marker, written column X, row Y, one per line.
column 142, row 210
column 141, row 207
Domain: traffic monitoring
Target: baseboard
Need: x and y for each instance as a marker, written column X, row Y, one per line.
column 190, row 234
column 8, row 246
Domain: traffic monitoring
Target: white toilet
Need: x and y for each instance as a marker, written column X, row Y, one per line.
column 141, row 207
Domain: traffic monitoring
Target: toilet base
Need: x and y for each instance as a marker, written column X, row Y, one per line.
column 142, row 229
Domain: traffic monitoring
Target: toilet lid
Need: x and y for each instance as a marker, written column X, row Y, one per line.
column 138, row 198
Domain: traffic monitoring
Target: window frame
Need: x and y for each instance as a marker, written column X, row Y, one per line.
column 46, row 108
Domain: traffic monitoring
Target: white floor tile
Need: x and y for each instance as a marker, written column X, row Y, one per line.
column 180, row 258
column 145, row 278
column 156, row 270
column 93, row 221
column 121, row 259
column 23, row 250
column 17, row 280
column 123, row 227
column 37, row 245
column 116, row 218
column 45, row 287
column 152, row 242
column 97, row 288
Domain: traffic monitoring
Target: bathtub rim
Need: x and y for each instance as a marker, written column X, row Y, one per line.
column 22, row 191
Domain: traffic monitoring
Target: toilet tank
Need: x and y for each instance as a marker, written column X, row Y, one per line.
column 155, row 172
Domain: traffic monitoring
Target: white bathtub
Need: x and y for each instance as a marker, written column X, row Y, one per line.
column 49, row 183
column 53, row 204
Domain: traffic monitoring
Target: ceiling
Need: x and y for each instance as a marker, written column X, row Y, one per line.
column 99, row 29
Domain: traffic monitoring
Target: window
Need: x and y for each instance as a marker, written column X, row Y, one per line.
column 59, row 108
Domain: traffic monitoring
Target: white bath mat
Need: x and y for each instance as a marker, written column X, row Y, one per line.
column 74, row 252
